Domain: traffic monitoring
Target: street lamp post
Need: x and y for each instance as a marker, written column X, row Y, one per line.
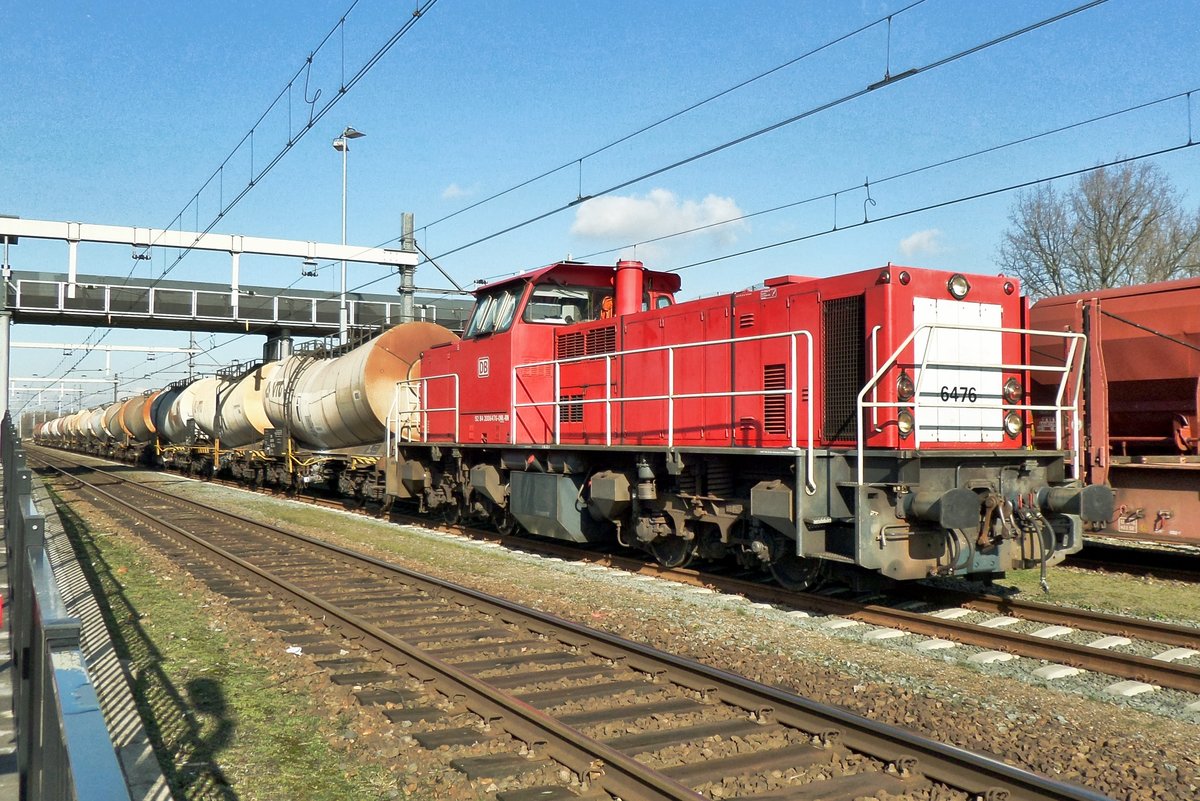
column 342, row 144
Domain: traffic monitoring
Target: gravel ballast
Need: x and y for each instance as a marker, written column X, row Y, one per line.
column 1144, row 747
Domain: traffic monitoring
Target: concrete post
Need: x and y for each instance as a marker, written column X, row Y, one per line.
column 5, row 325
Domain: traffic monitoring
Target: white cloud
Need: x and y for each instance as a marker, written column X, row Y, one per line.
column 657, row 213
column 454, row 192
column 923, row 243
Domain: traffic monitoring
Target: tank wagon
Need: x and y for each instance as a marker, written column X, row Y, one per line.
column 866, row 425
column 1140, row 400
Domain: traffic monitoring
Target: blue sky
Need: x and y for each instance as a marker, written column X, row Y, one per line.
column 116, row 113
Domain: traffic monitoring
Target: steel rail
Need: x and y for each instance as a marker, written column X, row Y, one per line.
column 586, row 756
column 974, row 773
column 1126, row 666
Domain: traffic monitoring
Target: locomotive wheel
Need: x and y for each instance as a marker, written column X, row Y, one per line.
column 798, row 574
column 672, row 552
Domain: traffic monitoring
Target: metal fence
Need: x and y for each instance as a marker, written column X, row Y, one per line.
column 61, row 734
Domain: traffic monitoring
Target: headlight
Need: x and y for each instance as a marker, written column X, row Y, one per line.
column 904, row 423
column 1013, row 424
column 904, row 387
column 958, row 286
column 1012, row 391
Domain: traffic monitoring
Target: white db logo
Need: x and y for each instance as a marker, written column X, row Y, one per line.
column 484, row 368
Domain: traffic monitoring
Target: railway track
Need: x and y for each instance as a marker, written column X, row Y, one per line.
column 1100, row 654
column 518, row 693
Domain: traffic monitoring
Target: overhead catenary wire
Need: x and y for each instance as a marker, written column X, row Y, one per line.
column 888, row 80
column 898, row 175
column 807, row 113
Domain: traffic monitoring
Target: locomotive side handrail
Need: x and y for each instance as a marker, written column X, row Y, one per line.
column 608, row 400
column 1068, row 367
column 671, row 396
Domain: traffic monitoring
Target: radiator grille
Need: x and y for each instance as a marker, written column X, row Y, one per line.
column 843, row 322
column 775, row 406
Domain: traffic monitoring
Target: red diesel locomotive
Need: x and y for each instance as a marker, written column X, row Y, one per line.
column 871, row 423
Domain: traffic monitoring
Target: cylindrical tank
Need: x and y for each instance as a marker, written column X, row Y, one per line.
column 160, row 406
column 112, row 421
column 344, row 402
column 197, row 401
column 243, row 417
column 135, row 417
column 204, row 404
column 94, row 427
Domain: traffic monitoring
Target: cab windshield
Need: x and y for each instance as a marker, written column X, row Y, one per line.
column 494, row 311
column 564, row 305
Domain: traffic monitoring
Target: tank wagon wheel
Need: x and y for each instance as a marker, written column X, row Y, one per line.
column 798, row 574
column 504, row 522
column 673, row 552
column 453, row 513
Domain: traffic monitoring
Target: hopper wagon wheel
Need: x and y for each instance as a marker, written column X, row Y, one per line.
column 673, row 552
column 798, row 574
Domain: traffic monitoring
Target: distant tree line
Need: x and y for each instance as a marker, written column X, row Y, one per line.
column 1115, row 226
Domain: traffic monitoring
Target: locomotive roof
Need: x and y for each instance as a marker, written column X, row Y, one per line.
column 572, row 272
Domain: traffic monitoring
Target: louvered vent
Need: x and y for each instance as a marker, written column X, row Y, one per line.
column 570, row 410
column 843, row 321
column 746, row 321
column 775, row 406
column 569, row 345
column 602, row 340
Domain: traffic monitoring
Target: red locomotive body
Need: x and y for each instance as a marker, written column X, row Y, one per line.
column 876, row 420
column 1141, row 400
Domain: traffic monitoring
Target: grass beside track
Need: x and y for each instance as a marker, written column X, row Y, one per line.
column 1153, row 598
column 225, row 724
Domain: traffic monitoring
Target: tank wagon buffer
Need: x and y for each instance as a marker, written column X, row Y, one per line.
column 871, row 423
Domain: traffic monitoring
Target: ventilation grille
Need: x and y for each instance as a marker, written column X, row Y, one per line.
column 843, row 322
column 746, row 321
column 775, row 406
column 570, row 410
column 602, row 340
column 569, row 345
column 573, row 344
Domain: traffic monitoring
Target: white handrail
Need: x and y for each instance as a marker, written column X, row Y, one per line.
column 1058, row 407
column 671, row 396
column 420, row 387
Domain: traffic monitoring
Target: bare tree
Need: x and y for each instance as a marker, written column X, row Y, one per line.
column 1116, row 226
